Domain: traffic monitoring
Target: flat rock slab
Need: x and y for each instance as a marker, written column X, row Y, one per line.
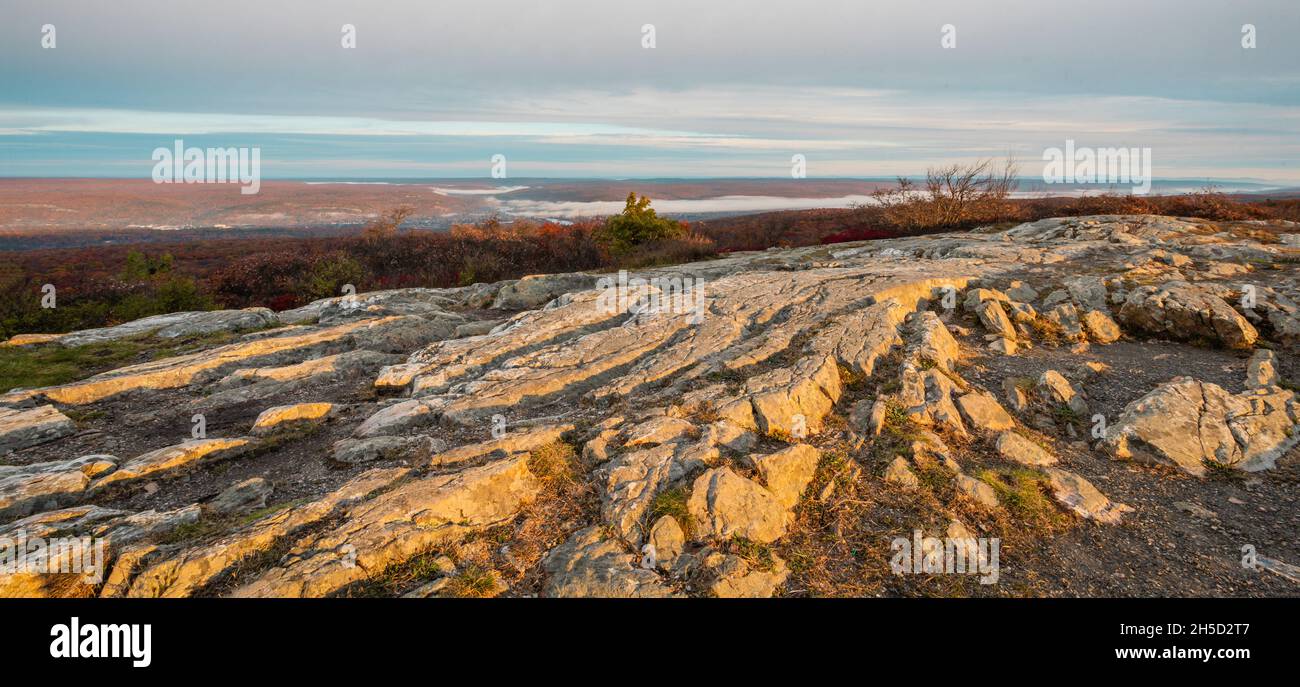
column 589, row 565
column 44, row 486
column 1019, row 449
column 183, row 573
column 23, row 428
column 177, row 324
column 1078, row 495
column 984, row 412
column 398, row 525
column 166, row 462
column 296, row 414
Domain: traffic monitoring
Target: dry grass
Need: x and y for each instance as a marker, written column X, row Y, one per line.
column 841, row 546
column 567, row 503
column 474, row 582
column 1048, row 331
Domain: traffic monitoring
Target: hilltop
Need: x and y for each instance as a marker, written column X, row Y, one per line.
column 768, row 429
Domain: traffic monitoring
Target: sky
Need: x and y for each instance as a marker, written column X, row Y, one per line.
column 860, row 88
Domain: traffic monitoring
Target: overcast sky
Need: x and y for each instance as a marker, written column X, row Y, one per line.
column 565, row 88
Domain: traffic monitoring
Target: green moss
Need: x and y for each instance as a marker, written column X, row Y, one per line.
column 1023, row 492
column 274, row 508
column 1065, row 415
column 190, row 531
column 50, row 364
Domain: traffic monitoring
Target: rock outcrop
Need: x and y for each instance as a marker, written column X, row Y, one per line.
column 1192, row 425
column 21, row 428
column 569, row 438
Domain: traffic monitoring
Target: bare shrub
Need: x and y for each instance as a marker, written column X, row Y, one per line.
column 951, row 197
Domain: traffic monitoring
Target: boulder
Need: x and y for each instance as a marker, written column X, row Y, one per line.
column 1022, row 292
column 1100, row 327
column 900, row 473
column 1016, row 396
column 1055, row 388
column 724, row 504
column 995, row 319
column 1018, row 449
column 1079, row 496
column 1088, row 292
column 975, row 297
column 788, row 471
column 1189, row 424
column 984, row 412
column 977, row 490
column 927, row 398
column 1066, row 317
column 590, row 566
column 731, row 577
column 1004, row 346
column 1022, row 313
column 869, row 415
column 1184, row 311
column 1261, row 371
column 668, row 540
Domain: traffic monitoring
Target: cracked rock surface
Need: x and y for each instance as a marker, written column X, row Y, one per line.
column 1061, row 386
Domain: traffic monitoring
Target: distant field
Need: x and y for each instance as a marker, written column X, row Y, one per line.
column 75, row 213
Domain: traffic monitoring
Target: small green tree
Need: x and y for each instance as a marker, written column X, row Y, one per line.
column 637, row 225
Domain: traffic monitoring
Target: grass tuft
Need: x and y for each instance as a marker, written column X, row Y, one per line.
column 556, row 461
column 673, row 502
column 474, row 582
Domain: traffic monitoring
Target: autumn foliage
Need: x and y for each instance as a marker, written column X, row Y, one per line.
column 106, row 285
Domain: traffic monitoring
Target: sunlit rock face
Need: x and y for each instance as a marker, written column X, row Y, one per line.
column 667, row 434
